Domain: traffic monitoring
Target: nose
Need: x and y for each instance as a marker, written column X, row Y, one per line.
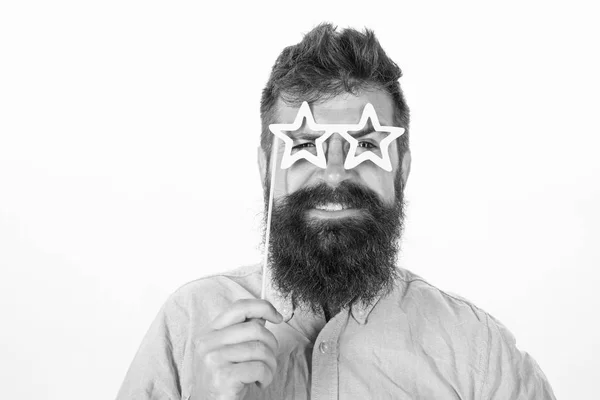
column 335, row 173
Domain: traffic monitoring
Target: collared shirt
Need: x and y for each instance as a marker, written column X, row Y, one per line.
column 415, row 342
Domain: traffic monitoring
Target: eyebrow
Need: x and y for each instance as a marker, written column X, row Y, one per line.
column 364, row 131
column 303, row 135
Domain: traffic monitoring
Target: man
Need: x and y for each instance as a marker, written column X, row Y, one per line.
column 339, row 319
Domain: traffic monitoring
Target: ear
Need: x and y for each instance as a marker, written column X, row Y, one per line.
column 262, row 164
column 406, row 159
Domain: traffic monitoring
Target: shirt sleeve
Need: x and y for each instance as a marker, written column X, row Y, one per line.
column 511, row 373
column 154, row 372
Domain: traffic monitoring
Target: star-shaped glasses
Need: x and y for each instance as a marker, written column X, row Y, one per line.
column 352, row 159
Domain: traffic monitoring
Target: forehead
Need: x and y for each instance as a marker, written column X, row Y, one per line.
column 345, row 108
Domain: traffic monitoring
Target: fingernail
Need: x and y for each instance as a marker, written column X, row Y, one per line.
column 279, row 316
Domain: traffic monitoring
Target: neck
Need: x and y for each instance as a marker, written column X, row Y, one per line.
column 329, row 312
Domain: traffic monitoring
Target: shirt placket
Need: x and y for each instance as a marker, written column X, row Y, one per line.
column 325, row 356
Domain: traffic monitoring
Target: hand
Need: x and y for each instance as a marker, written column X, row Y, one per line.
column 236, row 350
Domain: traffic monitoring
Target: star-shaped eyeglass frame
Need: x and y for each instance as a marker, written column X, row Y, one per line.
column 352, row 159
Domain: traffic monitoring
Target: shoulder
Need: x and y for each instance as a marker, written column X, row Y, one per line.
column 208, row 295
column 243, row 279
column 434, row 303
column 162, row 359
column 446, row 326
column 442, row 323
column 448, row 308
column 504, row 369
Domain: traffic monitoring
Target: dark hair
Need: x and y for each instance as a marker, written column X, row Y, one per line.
column 327, row 63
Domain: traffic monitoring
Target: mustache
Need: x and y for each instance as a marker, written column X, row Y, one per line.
column 350, row 194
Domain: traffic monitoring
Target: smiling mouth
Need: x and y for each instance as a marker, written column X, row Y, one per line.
column 333, row 210
column 332, row 207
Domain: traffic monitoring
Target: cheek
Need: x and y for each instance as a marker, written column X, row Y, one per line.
column 300, row 174
column 378, row 180
column 297, row 176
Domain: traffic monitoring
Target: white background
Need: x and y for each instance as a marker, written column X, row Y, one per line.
column 128, row 134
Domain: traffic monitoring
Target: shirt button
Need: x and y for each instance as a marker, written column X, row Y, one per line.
column 325, row 347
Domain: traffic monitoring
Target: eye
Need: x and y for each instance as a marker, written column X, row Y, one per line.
column 303, row 145
column 367, row 145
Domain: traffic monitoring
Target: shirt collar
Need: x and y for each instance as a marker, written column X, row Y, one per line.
column 359, row 311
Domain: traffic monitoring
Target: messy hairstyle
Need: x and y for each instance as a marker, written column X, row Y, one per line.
column 325, row 64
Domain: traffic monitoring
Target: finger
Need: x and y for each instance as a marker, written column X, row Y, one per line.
column 252, row 371
column 249, row 351
column 239, row 333
column 257, row 320
column 245, row 309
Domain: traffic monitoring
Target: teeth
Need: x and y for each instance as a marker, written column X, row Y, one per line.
column 331, row 207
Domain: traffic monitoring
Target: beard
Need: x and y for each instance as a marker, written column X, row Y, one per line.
column 332, row 263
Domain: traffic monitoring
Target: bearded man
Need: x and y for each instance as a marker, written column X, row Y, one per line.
column 339, row 319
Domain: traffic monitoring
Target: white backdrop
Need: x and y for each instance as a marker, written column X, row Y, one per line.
column 113, row 192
